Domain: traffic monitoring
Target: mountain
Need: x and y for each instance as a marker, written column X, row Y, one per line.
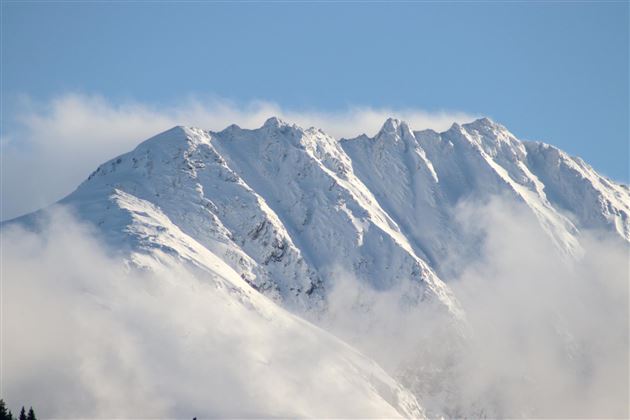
column 291, row 213
column 420, row 177
column 289, row 209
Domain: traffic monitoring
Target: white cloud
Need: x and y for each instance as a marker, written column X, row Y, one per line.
column 546, row 337
column 84, row 336
column 52, row 147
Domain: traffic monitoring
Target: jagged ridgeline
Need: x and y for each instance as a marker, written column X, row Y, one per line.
column 286, row 207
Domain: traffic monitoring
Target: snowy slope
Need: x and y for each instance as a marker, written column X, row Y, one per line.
column 335, row 379
column 589, row 199
column 422, row 177
column 281, row 205
column 186, row 336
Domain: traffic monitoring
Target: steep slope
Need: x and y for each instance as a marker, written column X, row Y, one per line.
column 518, row 164
column 330, row 370
column 422, row 179
column 280, row 204
column 590, row 200
column 186, row 336
column 341, row 229
column 181, row 173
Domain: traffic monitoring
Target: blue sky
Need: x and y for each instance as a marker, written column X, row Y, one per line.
column 555, row 71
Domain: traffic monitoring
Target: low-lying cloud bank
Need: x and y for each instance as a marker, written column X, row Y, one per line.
column 70, row 136
column 85, row 337
column 546, row 337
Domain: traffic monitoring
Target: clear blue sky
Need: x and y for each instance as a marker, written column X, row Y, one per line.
column 552, row 71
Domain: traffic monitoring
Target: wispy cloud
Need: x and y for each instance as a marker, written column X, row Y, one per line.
column 545, row 337
column 51, row 147
column 83, row 336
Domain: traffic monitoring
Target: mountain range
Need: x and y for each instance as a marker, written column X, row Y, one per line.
column 276, row 221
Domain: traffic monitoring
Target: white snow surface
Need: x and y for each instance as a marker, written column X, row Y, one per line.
column 283, row 210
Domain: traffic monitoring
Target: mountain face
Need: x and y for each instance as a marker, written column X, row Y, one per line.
column 289, row 208
column 420, row 177
column 289, row 213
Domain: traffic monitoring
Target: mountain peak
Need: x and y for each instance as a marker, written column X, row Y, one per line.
column 484, row 121
column 174, row 134
column 486, row 124
column 175, row 138
column 391, row 124
column 177, row 131
column 274, row 122
column 393, row 127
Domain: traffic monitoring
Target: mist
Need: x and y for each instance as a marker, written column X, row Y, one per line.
column 86, row 336
column 546, row 336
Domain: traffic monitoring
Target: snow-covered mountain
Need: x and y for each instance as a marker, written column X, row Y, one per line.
column 288, row 212
column 420, row 177
column 289, row 208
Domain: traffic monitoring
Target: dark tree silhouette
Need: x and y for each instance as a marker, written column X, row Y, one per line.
column 4, row 413
column 31, row 414
column 3, row 410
